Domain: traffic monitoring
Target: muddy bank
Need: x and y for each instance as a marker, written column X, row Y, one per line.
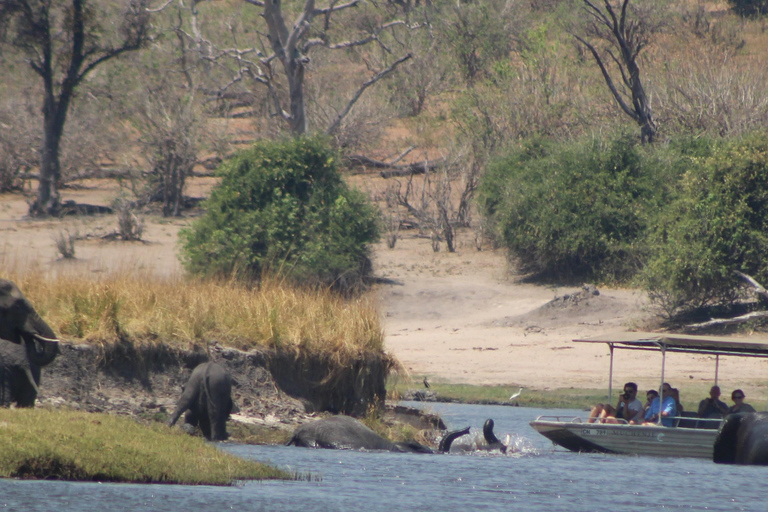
column 274, row 389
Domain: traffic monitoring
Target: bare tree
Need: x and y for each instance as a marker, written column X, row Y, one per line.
column 290, row 45
column 63, row 42
column 626, row 36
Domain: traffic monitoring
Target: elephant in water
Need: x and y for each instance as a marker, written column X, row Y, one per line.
column 27, row 344
column 344, row 432
column 208, row 401
column 488, row 443
column 743, row 439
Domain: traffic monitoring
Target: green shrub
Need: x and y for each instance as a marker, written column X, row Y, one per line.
column 717, row 226
column 282, row 209
column 575, row 209
column 747, row 8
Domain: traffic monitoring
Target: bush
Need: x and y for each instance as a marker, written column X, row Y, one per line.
column 283, row 209
column 717, row 226
column 747, row 8
column 575, row 209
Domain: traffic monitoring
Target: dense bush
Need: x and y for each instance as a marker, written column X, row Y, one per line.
column 283, row 209
column 717, row 226
column 748, row 8
column 576, row 209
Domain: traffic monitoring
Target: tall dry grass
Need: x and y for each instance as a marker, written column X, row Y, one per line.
column 150, row 310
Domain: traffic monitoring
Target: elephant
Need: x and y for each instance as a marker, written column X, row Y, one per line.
column 742, row 439
column 488, row 443
column 36, row 346
column 344, row 432
column 207, row 399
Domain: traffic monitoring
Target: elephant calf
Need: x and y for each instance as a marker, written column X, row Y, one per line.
column 208, row 401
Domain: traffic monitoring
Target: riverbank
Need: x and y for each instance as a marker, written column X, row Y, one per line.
column 58, row 444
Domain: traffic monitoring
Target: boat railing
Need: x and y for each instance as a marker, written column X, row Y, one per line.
column 579, row 419
column 686, row 421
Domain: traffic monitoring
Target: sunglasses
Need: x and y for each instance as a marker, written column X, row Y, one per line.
column 738, row 398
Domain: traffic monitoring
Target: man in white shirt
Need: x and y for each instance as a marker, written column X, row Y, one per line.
column 628, row 408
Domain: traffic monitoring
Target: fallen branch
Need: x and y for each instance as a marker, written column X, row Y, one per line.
column 759, row 290
column 757, row 287
column 729, row 321
column 396, row 170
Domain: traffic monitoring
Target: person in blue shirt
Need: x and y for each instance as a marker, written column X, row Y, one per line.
column 667, row 405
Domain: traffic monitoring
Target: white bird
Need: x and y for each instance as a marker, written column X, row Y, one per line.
column 516, row 395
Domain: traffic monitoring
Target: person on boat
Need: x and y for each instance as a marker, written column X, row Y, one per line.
column 678, row 405
column 628, row 408
column 665, row 404
column 649, row 396
column 738, row 403
column 712, row 407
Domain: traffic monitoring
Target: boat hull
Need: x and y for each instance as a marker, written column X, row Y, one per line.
column 578, row 436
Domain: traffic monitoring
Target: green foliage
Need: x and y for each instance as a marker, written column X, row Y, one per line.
column 283, row 209
column 747, row 8
column 717, row 226
column 70, row 445
column 576, row 209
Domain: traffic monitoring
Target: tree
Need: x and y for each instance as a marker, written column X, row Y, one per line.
column 626, row 37
column 282, row 209
column 63, row 42
column 291, row 47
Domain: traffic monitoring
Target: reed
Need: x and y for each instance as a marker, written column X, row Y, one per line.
column 70, row 445
column 147, row 310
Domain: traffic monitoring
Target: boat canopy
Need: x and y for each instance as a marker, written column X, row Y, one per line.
column 689, row 343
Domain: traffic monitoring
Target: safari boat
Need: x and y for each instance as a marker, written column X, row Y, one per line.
column 689, row 437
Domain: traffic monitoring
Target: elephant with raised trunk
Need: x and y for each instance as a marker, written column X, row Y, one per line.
column 28, row 344
column 207, row 399
column 346, row 433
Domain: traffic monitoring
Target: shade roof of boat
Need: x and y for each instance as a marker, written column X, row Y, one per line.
column 750, row 347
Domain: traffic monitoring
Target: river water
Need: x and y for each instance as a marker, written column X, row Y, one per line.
column 537, row 477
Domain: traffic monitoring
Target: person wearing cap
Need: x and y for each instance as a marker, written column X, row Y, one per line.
column 738, row 403
column 712, row 407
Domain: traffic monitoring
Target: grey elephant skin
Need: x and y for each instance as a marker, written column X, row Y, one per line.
column 207, row 400
column 346, row 433
column 28, row 344
column 743, row 439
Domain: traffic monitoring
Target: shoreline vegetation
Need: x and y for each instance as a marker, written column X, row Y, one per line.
column 188, row 313
column 69, row 445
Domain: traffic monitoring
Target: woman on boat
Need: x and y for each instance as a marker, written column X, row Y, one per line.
column 739, row 405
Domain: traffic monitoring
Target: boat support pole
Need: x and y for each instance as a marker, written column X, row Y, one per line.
column 610, row 376
column 661, row 386
column 717, row 366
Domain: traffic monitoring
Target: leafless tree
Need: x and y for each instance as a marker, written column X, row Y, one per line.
column 290, row 44
column 626, row 34
column 63, row 42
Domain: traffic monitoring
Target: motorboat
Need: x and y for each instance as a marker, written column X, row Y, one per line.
column 688, row 437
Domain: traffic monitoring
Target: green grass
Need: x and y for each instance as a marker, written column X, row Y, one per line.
column 567, row 398
column 70, row 445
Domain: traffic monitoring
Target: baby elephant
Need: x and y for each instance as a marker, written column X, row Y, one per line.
column 208, row 400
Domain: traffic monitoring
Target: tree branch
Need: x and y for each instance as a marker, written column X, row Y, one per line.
column 335, row 125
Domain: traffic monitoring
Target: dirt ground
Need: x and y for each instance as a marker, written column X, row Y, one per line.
column 457, row 317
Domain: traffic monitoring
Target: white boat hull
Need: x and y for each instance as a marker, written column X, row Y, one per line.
column 579, row 436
